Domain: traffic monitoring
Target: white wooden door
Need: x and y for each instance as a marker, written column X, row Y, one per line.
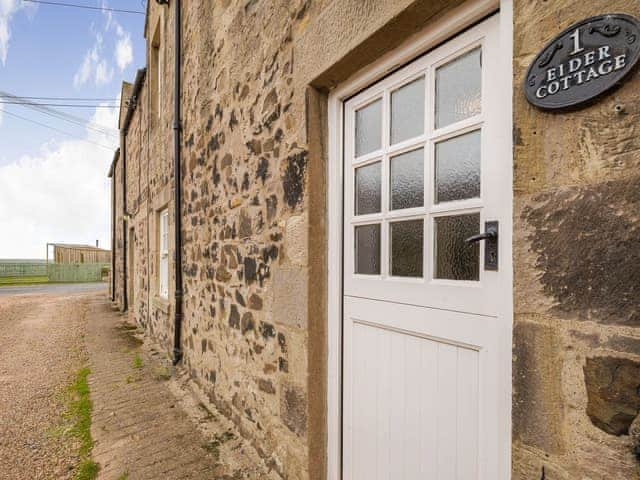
column 423, row 337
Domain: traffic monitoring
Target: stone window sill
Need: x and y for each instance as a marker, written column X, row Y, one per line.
column 161, row 304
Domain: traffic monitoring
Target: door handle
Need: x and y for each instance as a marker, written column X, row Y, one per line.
column 491, row 233
column 491, row 244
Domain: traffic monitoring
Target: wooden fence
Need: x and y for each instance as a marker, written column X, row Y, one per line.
column 23, row 269
column 76, row 272
column 57, row 272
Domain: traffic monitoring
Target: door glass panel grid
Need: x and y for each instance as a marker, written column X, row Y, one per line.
column 391, row 214
column 452, row 212
column 360, row 223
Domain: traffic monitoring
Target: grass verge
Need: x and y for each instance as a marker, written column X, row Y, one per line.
column 9, row 281
column 79, row 414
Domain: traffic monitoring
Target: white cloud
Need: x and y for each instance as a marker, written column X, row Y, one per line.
column 94, row 66
column 95, row 63
column 84, row 72
column 8, row 9
column 68, row 197
column 104, row 73
column 124, row 51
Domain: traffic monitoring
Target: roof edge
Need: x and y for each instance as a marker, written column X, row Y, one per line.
column 112, row 168
column 133, row 100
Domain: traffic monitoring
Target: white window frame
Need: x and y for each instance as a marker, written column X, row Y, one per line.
column 447, row 26
column 163, row 253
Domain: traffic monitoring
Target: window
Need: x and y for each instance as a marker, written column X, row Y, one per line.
column 155, row 65
column 163, row 268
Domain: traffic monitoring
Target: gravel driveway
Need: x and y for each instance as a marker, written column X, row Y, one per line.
column 41, row 348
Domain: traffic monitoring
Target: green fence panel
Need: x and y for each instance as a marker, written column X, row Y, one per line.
column 23, row 269
column 76, row 272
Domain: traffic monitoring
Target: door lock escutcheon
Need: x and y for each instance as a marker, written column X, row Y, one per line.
column 490, row 237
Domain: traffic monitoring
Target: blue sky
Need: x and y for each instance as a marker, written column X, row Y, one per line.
column 53, row 187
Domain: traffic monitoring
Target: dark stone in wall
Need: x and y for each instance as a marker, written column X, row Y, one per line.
column 293, row 409
column 250, row 270
column 283, row 365
column 293, row 178
column 597, row 276
column 625, row 344
column 263, row 169
column 255, row 302
column 282, row 341
column 267, row 330
column 234, row 317
column 215, row 142
column 266, row 386
column 233, row 120
column 239, row 298
column 613, row 391
column 272, row 207
column 247, row 322
column 244, row 229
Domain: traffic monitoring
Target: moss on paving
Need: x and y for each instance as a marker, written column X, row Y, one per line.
column 137, row 362
column 79, row 415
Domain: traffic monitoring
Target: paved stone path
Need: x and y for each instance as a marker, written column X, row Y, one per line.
column 137, row 427
column 148, row 422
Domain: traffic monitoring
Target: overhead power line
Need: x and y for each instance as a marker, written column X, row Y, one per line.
column 67, row 99
column 86, row 7
column 64, row 116
column 65, row 105
column 11, row 114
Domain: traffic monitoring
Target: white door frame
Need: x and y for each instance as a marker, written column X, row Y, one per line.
column 434, row 34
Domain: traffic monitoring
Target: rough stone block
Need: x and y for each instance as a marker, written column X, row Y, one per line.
column 538, row 407
column 613, row 389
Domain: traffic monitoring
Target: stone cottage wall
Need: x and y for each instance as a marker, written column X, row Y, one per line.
column 576, row 366
column 245, row 223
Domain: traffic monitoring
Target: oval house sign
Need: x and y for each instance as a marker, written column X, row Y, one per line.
column 584, row 61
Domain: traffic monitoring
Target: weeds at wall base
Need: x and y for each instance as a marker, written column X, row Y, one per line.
column 78, row 416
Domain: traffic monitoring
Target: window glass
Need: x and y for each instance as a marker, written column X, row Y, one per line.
column 407, row 111
column 407, row 248
column 368, row 195
column 454, row 258
column 369, row 128
column 367, row 248
column 407, row 180
column 457, row 168
column 458, row 89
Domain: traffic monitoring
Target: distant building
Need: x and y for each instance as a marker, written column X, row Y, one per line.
column 70, row 253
